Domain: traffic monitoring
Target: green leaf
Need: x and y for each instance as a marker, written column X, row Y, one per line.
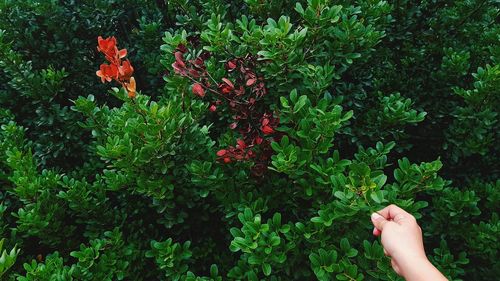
column 299, row 9
column 266, row 269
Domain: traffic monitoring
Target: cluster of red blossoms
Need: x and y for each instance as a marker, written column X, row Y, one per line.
column 119, row 70
column 243, row 91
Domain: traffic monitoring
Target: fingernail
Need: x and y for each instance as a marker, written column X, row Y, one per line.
column 376, row 216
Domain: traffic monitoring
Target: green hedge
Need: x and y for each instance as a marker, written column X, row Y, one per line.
column 262, row 136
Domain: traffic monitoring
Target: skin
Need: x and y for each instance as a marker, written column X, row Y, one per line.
column 401, row 238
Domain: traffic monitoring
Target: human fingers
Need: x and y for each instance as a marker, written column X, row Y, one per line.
column 394, row 213
column 379, row 222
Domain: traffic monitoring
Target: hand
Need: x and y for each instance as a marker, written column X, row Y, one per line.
column 403, row 243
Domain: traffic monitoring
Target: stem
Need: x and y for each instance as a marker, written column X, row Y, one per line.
column 215, row 92
column 464, row 19
column 213, row 80
column 140, row 111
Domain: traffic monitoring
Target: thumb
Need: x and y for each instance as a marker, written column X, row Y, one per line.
column 378, row 221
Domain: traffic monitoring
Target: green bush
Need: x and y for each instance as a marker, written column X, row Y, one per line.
column 261, row 137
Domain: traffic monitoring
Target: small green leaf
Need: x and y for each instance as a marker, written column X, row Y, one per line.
column 266, row 269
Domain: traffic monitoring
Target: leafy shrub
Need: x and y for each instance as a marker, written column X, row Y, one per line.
column 248, row 140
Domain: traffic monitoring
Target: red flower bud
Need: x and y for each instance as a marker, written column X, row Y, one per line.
column 250, row 82
column 179, row 59
column 226, row 90
column 267, row 130
column 198, row 90
column 178, row 69
column 221, row 152
column 229, row 83
column 241, row 144
column 131, row 87
column 231, row 65
column 194, row 73
column 212, row 108
column 199, row 62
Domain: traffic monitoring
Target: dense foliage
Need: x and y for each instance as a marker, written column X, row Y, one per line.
column 245, row 139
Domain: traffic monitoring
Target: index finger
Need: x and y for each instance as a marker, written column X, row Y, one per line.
column 393, row 212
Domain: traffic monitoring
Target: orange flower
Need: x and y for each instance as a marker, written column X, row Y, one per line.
column 126, row 70
column 130, row 86
column 118, row 70
column 106, row 46
column 107, row 72
column 122, row 53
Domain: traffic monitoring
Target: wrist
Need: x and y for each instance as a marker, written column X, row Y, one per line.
column 411, row 264
column 418, row 268
column 410, row 257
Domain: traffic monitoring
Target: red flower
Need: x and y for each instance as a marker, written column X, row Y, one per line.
column 268, row 123
column 226, row 87
column 116, row 70
column 198, row 90
column 179, row 59
column 122, row 53
column 194, row 73
column 242, row 92
column 178, row 69
column 107, row 46
column 231, row 65
column 267, row 130
column 251, row 81
column 229, row 83
column 241, row 144
column 107, row 72
column 265, row 120
column 179, row 65
column 250, row 154
column 199, row 63
column 126, row 70
column 221, row 152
